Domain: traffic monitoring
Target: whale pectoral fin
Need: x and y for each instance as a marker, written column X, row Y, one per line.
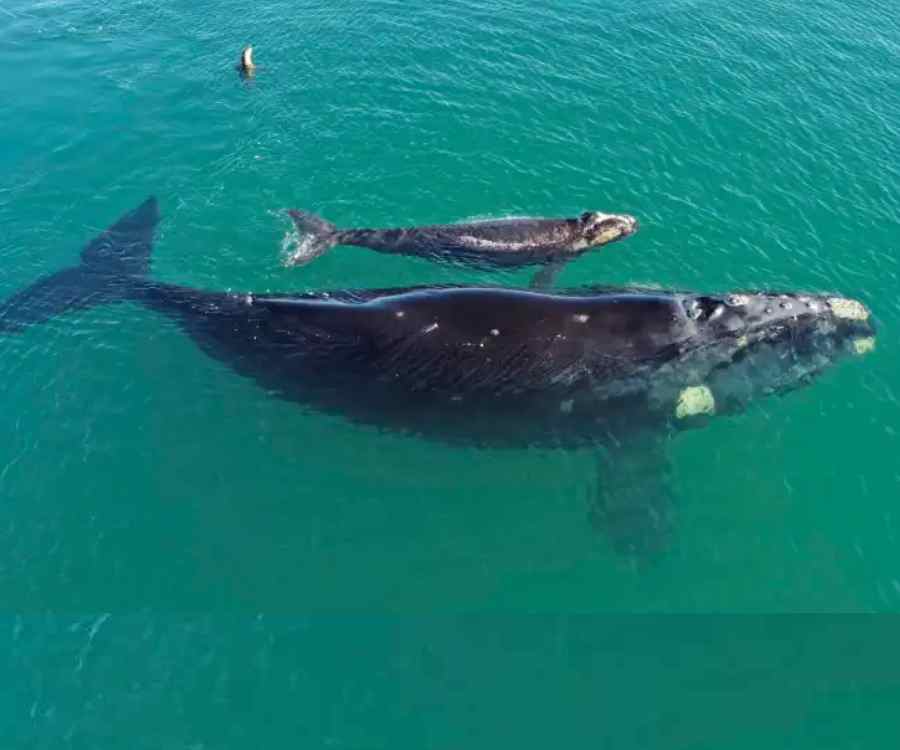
column 546, row 276
column 633, row 505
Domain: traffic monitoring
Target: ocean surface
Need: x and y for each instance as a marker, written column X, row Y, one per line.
column 153, row 502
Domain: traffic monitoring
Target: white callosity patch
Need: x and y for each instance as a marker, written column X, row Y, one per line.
column 697, row 399
column 581, row 318
column 738, row 300
column 608, row 235
column 864, row 346
column 849, row 309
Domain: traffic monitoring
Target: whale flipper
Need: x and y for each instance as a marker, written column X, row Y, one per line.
column 546, row 276
column 634, row 504
column 109, row 264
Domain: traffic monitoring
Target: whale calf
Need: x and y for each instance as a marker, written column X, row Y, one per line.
column 614, row 371
column 499, row 243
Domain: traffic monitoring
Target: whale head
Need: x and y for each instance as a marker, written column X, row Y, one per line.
column 736, row 348
column 600, row 229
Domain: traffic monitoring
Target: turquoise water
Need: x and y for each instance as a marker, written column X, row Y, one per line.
column 758, row 147
column 698, row 683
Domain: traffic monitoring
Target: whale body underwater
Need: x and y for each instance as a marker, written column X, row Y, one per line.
column 618, row 372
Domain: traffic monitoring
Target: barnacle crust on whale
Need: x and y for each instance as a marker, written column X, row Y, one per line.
column 697, row 399
column 849, row 309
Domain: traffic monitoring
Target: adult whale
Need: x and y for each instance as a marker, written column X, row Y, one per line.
column 613, row 371
column 508, row 243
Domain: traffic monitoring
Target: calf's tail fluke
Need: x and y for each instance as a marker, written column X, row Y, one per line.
column 317, row 236
column 110, row 266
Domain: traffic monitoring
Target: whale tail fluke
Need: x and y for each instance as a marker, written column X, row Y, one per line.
column 110, row 264
column 317, row 236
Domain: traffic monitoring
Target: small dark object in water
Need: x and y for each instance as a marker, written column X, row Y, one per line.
column 246, row 65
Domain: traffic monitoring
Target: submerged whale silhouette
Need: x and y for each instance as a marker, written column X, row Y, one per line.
column 615, row 371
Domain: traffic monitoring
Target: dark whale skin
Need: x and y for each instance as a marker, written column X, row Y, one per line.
column 453, row 362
